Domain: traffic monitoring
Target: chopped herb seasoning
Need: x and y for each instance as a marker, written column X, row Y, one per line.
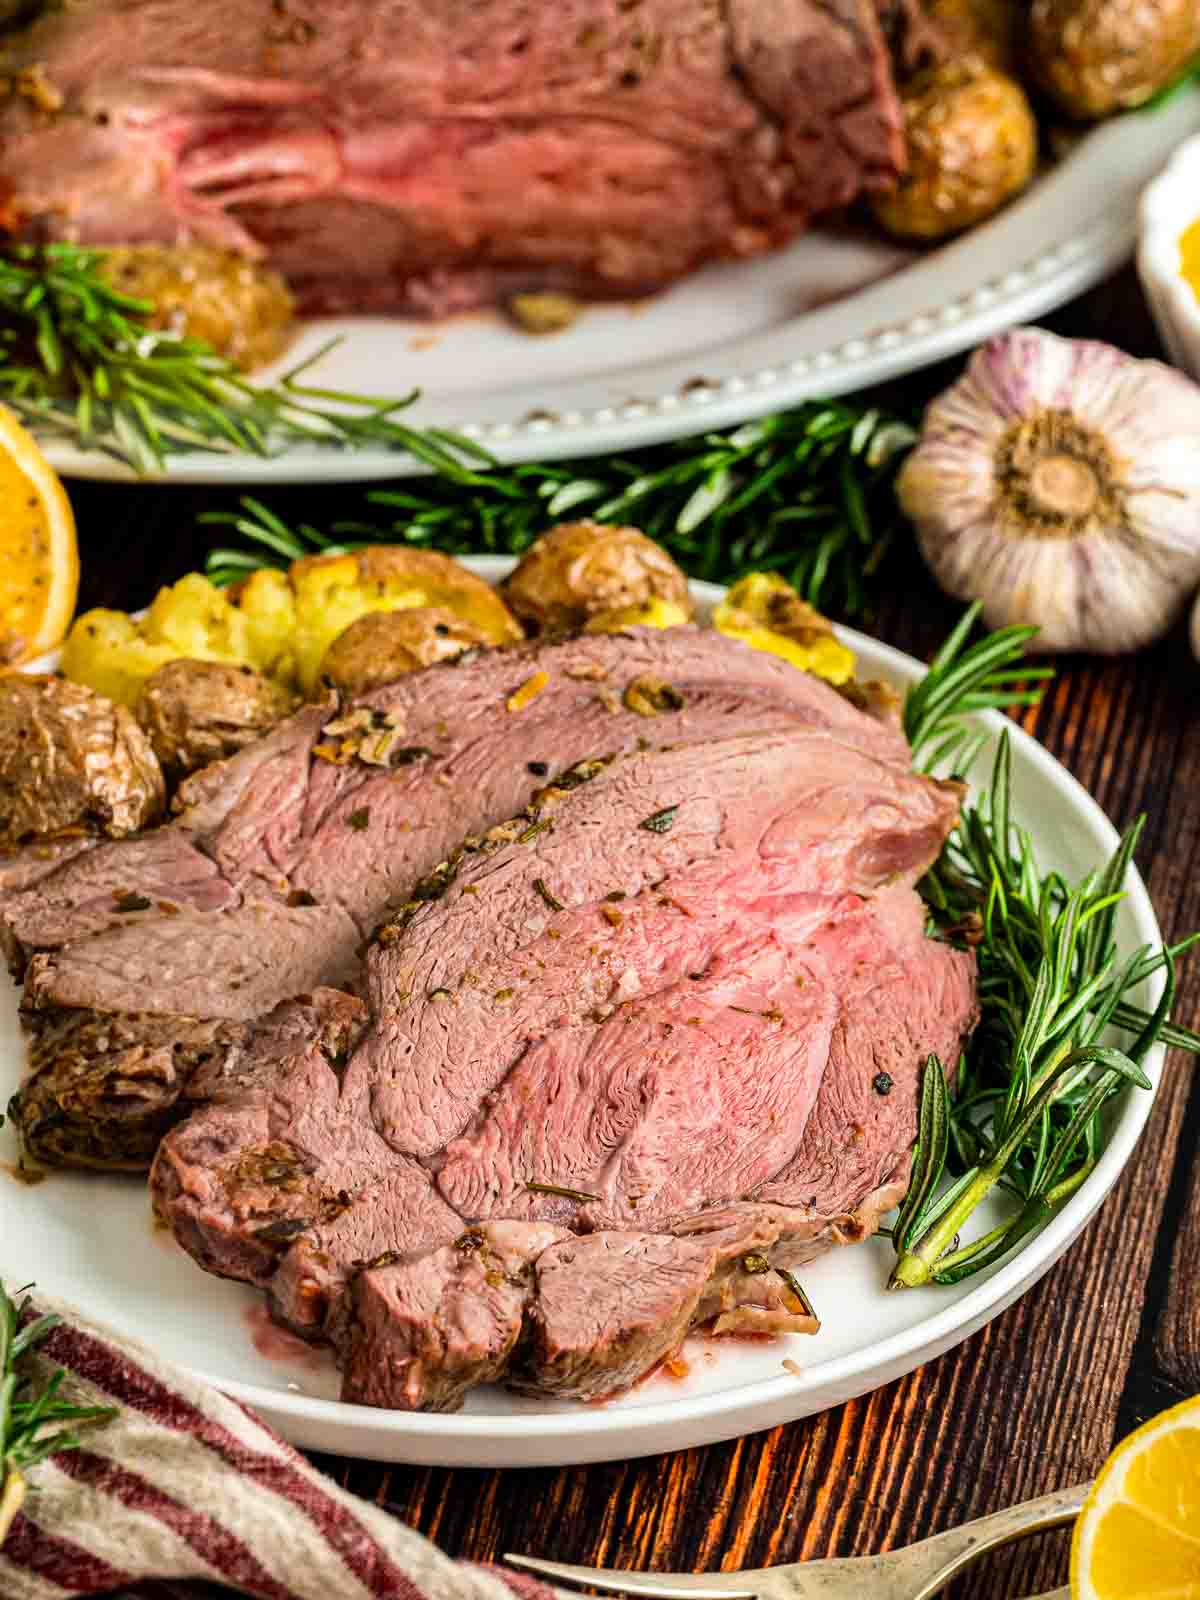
column 661, row 822
column 384, row 1259
column 436, row 994
column 301, row 897
column 504, row 994
column 882, row 1083
column 360, row 819
column 755, row 1264
column 538, row 768
column 648, row 696
column 408, row 754
column 132, row 902
column 615, row 895
column 579, row 1195
column 532, row 831
column 282, row 1230
column 540, row 885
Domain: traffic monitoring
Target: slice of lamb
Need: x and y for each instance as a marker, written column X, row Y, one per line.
column 520, row 939
column 397, row 1216
column 418, row 1335
column 100, row 1091
column 611, row 1306
column 694, row 1093
column 277, row 1152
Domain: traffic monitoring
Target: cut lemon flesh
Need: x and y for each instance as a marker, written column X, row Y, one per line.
column 1138, row 1535
column 39, row 559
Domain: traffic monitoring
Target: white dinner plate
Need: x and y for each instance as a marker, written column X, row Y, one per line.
column 90, row 1241
column 835, row 311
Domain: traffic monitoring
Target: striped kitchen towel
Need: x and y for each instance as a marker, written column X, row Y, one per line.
column 187, row 1484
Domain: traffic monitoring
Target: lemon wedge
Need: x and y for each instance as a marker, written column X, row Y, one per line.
column 39, row 559
column 1138, row 1535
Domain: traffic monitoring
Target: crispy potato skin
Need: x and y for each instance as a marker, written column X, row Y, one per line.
column 196, row 712
column 972, row 145
column 580, row 569
column 386, row 644
column 71, row 761
column 1095, row 57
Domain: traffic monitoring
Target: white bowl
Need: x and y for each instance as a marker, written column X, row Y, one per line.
column 1168, row 205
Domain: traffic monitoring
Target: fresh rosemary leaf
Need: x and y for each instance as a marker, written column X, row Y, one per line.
column 933, row 1137
column 35, row 1423
column 807, row 493
column 78, row 360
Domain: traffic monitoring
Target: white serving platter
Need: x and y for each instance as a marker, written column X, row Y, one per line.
column 836, row 311
column 90, row 1240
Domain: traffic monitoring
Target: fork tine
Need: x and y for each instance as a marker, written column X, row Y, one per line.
column 669, row 1586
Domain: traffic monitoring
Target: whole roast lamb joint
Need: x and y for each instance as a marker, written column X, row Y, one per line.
column 710, row 949
column 434, row 155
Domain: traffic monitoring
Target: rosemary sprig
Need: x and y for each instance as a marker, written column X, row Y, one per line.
column 1037, row 1074
column 78, row 360
column 807, row 493
column 35, row 1422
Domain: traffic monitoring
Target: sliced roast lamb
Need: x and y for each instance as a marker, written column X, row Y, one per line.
column 289, row 853
column 433, row 155
column 623, row 1059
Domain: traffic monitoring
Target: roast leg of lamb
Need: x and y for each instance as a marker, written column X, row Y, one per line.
column 146, row 959
column 431, row 155
column 621, row 1063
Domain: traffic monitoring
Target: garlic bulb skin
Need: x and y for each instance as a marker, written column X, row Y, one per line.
column 1058, row 481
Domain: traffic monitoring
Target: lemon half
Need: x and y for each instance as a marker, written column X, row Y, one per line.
column 1138, row 1535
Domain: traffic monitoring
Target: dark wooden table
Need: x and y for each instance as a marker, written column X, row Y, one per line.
column 1034, row 1401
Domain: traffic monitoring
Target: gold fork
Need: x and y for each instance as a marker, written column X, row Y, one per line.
column 916, row 1573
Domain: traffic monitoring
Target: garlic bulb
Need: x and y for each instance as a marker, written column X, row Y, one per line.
column 1058, row 481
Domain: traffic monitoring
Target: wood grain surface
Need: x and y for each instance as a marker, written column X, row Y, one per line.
column 1036, row 1399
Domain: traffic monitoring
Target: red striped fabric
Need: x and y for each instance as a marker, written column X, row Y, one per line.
column 187, row 1489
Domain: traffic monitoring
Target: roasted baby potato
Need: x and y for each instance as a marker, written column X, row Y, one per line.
column 196, row 712
column 334, row 591
column 245, row 311
column 581, row 569
column 71, row 762
column 972, row 145
column 1095, row 57
column 386, row 644
column 765, row 612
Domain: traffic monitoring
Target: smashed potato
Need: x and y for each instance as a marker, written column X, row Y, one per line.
column 114, row 653
column 765, row 612
column 331, row 592
column 385, row 645
column 279, row 623
column 582, row 569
